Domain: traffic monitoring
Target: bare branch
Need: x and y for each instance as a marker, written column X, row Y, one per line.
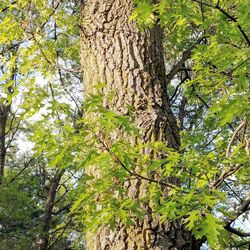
column 237, row 232
column 233, row 137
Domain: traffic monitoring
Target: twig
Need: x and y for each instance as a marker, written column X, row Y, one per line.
column 241, row 244
column 177, row 88
column 59, row 236
column 50, row 15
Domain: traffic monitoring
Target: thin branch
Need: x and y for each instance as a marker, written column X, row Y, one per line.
column 117, row 159
column 50, row 15
column 66, row 207
column 7, row 7
column 53, row 97
column 230, row 17
column 210, row 141
column 60, row 235
column 13, row 135
column 199, row 97
column 233, row 137
column 24, row 168
column 182, row 111
column 177, row 88
column 230, row 171
column 40, row 48
column 241, row 244
column 203, row 3
column 237, row 232
column 239, row 65
column 233, row 191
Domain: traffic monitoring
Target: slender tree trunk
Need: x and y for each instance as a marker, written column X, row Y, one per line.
column 43, row 241
column 4, row 110
column 4, row 113
column 131, row 63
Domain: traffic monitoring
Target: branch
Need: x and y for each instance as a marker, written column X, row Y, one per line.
column 7, row 7
column 199, row 97
column 241, row 244
column 66, row 207
column 234, row 192
column 13, row 135
column 26, row 165
column 202, row 3
column 233, row 137
column 239, row 65
column 230, row 171
column 60, row 235
column 182, row 111
column 54, row 99
column 117, row 159
column 237, row 232
column 242, row 208
column 185, row 56
column 50, row 15
column 230, row 17
column 177, row 87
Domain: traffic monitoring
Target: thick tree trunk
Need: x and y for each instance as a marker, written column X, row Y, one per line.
column 131, row 63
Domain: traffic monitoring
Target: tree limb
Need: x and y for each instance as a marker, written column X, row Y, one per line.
column 230, row 171
column 242, row 208
column 185, row 56
column 233, row 137
column 230, row 17
column 237, row 232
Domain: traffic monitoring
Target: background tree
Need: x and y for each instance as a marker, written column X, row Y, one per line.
column 36, row 194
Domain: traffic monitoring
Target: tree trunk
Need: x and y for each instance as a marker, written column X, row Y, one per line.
column 4, row 110
column 43, row 241
column 131, row 63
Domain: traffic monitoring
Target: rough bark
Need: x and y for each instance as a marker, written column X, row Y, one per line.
column 131, row 64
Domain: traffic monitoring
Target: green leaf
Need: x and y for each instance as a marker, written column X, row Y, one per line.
column 192, row 219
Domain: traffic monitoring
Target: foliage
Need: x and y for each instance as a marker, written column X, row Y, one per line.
column 40, row 43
